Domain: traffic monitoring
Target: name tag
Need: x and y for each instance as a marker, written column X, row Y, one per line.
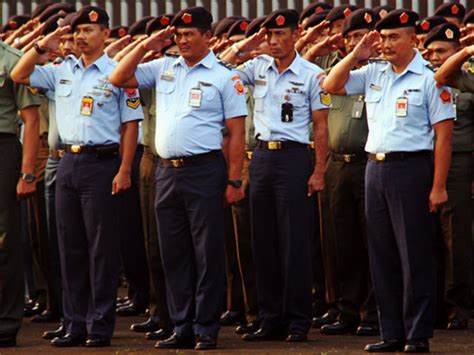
column 375, row 87
column 402, row 107
column 65, row 82
column 260, row 82
column 195, row 97
column 167, row 78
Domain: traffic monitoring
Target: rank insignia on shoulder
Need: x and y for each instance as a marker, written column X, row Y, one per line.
column 133, row 103
column 325, row 98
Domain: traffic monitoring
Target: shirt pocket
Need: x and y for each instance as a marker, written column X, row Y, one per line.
column 164, row 93
column 298, row 99
column 64, row 90
column 259, row 94
column 372, row 100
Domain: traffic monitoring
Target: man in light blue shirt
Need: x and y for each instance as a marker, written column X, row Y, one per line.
column 405, row 111
column 196, row 98
column 93, row 118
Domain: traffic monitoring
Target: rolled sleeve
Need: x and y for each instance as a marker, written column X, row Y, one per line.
column 44, row 77
column 147, row 73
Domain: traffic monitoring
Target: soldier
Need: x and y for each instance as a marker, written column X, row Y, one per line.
column 191, row 177
column 344, row 200
column 405, row 110
column 452, row 11
column 423, row 27
column 17, row 179
column 93, row 118
column 282, row 178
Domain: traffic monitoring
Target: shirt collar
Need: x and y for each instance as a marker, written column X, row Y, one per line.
column 294, row 66
column 208, row 61
column 415, row 66
column 101, row 63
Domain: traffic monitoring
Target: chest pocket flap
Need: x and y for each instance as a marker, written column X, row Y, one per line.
column 64, row 89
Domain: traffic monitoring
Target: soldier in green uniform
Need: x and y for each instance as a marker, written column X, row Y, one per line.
column 345, row 201
column 16, row 180
column 443, row 42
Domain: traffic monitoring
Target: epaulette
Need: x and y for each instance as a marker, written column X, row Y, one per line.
column 431, row 67
column 378, row 60
column 227, row 65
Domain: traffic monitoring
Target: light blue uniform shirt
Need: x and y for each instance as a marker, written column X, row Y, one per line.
column 382, row 88
column 299, row 84
column 182, row 129
column 111, row 106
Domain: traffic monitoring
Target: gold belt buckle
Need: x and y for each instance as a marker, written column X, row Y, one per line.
column 76, row 149
column 347, row 158
column 380, row 156
column 177, row 163
column 274, row 145
column 249, row 155
column 61, row 153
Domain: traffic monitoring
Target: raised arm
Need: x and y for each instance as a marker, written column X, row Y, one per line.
column 446, row 74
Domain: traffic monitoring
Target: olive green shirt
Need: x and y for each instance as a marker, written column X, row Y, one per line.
column 249, row 126
column 149, row 121
column 347, row 131
column 463, row 130
column 465, row 81
column 13, row 97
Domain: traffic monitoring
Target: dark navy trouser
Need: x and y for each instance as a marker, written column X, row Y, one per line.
column 401, row 238
column 189, row 209
column 89, row 244
column 282, row 217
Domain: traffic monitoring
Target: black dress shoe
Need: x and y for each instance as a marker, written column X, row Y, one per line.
column 421, row 345
column 328, row 318
column 386, row 346
column 248, row 328
column 150, row 325
column 264, row 335
column 205, row 342
column 97, row 342
column 160, row 334
column 69, row 340
column 46, row 317
column 38, row 308
column 296, row 337
column 457, row 324
column 232, row 318
column 175, row 341
column 51, row 334
column 130, row 310
column 338, row 328
column 367, row 330
column 7, row 341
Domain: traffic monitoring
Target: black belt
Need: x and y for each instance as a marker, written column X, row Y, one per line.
column 382, row 157
column 191, row 160
column 349, row 158
column 79, row 149
column 7, row 135
column 279, row 145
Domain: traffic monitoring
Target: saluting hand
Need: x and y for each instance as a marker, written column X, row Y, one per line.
column 366, row 47
column 113, row 48
column 159, row 40
column 51, row 41
column 315, row 31
column 122, row 181
column 253, row 42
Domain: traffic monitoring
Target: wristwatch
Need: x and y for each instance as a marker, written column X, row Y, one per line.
column 38, row 49
column 237, row 183
column 28, row 177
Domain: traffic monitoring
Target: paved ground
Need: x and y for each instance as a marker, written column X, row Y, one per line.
column 127, row 342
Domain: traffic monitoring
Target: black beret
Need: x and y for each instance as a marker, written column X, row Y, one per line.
column 446, row 32
column 40, row 8
column 281, row 18
column 61, row 8
column 314, row 8
column 316, row 19
column 158, row 23
column 254, row 26
column 118, row 32
column 139, row 27
column 53, row 23
column 383, row 10
column 238, row 28
column 15, row 22
column 427, row 24
column 340, row 12
column 196, row 16
column 223, row 25
column 451, row 9
column 469, row 18
column 397, row 19
column 90, row 15
column 359, row 19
